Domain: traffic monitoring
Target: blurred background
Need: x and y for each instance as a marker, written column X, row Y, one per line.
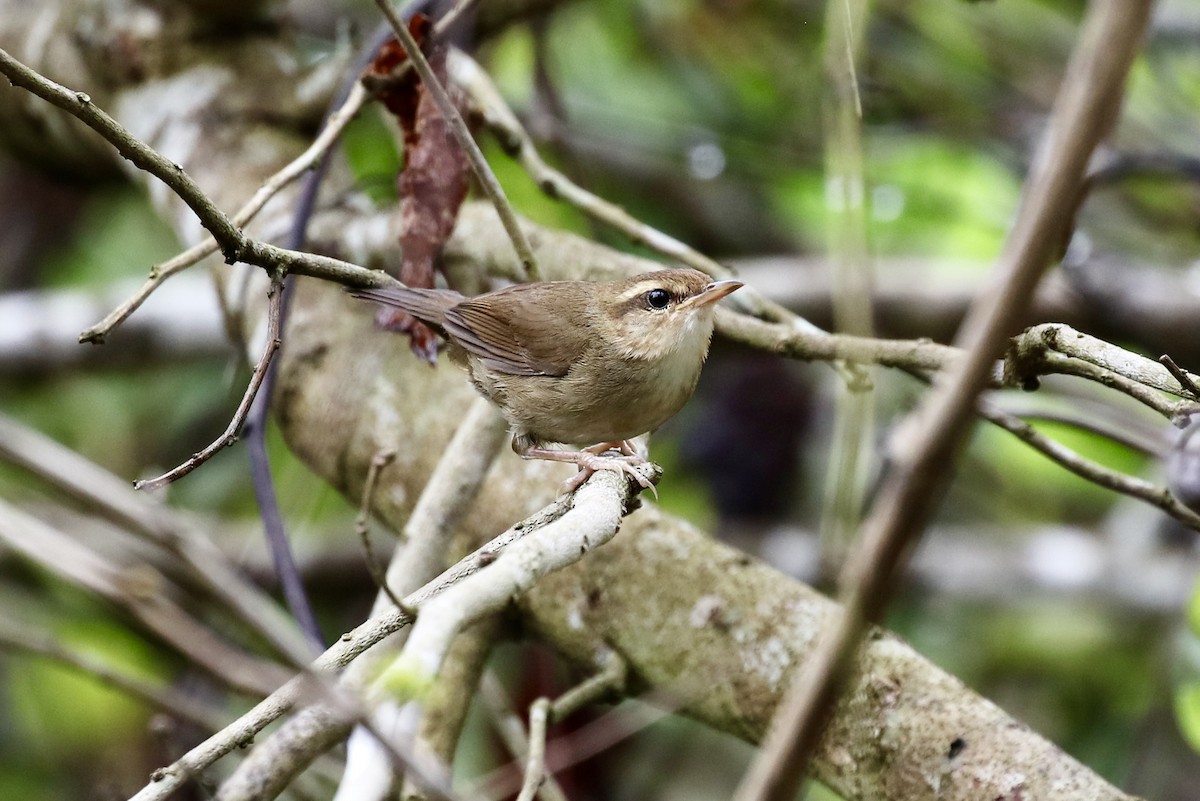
column 723, row 123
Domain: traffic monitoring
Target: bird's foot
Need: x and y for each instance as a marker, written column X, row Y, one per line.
column 590, row 462
column 591, row 459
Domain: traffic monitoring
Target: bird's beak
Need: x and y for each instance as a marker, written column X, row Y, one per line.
column 711, row 294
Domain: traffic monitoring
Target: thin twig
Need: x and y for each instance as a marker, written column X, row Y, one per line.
column 593, row 738
column 335, row 124
column 935, row 433
column 1185, row 381
column 352, row 644
column 421, row 552
column 511, row 729
column 535, row 764
column 141, row 590
column 610, row 679
column 230, row 435
column 479, row 165
column 378, row 462
column 230, row 237
column 591, row 523
column 786, row 340
column 1135, row 440
column 1085, row 468
column 516, row 141
column 1070, row 365
column 234, row 243
column 272, row 186
column 114, row 500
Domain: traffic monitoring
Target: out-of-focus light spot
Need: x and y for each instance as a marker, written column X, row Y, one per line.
column 887, row 203
column 706, row 160
column 1064, row 559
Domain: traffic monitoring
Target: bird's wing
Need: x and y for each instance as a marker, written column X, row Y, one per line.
column 527, row 329
column 428, row 305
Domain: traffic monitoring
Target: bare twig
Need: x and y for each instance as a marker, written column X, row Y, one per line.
column 144, row 593
column 1085, row 468
column 531, row 749
column 591, row 522
column 479, row 164
column 159, row 273
column 516, row 141
column 166, row 780
column 535, row 763
column 1135, row 439
column 420, row 556
column 378, row 462
column 1107, row 44
column 1053, row 362
column 142, row 155
column 610, row 679
column 509, row 726
column 593, row 738
column 1185, row 381
column 234, row 243
column 230, row 435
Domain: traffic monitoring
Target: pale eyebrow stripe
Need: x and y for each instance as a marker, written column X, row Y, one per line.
column 637, row 289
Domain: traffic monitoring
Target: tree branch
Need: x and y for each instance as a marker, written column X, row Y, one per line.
column 606, row 497
column 934, row 433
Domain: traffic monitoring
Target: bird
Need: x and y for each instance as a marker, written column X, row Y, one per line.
column 585, row 363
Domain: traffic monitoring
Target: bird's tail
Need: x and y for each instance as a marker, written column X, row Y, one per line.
column 427, row 305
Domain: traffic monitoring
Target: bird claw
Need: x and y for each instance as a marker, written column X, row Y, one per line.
column 590, row 462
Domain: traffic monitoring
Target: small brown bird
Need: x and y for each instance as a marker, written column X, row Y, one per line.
column 578, row 362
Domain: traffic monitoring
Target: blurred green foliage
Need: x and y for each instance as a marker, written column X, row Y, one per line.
column 116, row 236
column 373, row 155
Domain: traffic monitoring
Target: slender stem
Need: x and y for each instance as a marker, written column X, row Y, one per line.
column 378, row 462
column 229, row 235
column 181, row 707
column 329, row 134
column 517, row 142
column 1185, row 381
column 933, row 436
column 479, row 164
column 535, row 763
column 1085, row 468
column 230, row 435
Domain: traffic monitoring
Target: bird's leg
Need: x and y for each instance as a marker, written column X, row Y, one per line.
column 588, row 461
column 626, row 447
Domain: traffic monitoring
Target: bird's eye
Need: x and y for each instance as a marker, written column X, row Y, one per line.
column 658, row 298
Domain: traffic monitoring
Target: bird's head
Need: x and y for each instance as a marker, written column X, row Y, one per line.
column 653, row 315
